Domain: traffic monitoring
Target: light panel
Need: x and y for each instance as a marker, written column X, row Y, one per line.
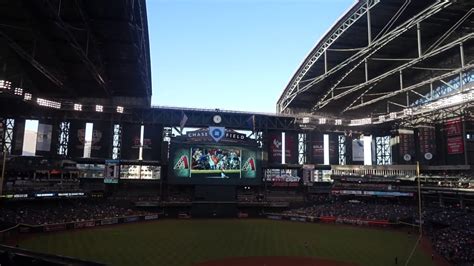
column 48, row 103
column 27, row 96
column 77, row 107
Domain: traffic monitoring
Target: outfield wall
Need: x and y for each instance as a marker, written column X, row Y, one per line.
column 330, row 219
column 26, row 228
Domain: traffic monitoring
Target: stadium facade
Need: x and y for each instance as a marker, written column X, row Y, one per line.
column 380, row 106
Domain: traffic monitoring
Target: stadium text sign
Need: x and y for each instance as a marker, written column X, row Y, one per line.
column 215, row 134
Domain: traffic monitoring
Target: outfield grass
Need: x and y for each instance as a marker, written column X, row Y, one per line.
column 184, row 242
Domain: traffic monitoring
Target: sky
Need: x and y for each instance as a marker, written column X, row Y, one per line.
column 232, row 54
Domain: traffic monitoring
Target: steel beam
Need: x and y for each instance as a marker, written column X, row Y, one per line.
column 289, row 93
column 29, row 58
column 398, row 69
column 319, row 50
column 97, row 72
column 409, row 88
column 418, row 39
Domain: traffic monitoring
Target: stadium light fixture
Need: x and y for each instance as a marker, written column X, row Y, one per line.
column 338, row 122
column 407, row 111
column 120, row 109
column 77, row 107
column 27, row 96
column 5, row 84
column 381, row 118
column 393, row 115
column 306, row 120
column 99, row 108
column 18, row 91
column 48, row 103
column 361, row 122
column 322, row 121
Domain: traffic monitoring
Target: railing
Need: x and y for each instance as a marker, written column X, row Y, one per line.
column 330, row 219
column 6, row 234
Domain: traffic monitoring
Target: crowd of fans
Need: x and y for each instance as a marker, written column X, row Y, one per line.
column 358, row 210
column 452, row 233
column 64, row 212
column 450, row 229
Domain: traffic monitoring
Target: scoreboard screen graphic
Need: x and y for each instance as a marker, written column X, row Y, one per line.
column 213, row 164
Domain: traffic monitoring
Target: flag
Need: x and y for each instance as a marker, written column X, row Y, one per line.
column 184, row 119
column 250, row 122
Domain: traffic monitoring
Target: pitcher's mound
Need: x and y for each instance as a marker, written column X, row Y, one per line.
column 274, row 261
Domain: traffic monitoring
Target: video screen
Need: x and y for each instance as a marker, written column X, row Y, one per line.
column 140, row 172
column 215, row 160
column 213, row 165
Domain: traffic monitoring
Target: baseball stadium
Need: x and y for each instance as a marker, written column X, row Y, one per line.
column 366, row 161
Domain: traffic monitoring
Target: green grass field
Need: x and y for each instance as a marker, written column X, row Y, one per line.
column 184, row 242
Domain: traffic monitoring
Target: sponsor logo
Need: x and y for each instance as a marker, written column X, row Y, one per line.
column 183, row 163
column 109, row 221
column 151, row 217
column 249, row 165
column 276, row 143
column 96, row 136
column 217, row 133
column 428, row 156
column 131, row 219
column 407, row 157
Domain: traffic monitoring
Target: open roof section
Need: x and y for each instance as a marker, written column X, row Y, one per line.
column 89, row 51
column 354, row 63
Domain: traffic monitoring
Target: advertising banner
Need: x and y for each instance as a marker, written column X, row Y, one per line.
column 130, row 145
column 358, row 150
column 333, row 149
column 274, row 147
column 18, row 135
column 109, row 221
column 77, row 137
column 102, row 137
column 44, row 137
column 152, row 141
column 455, row 145
column 427, row 143
column 151, row 217
column 216, row 135
column 2, row 134
column 131, row 219
column 291, row 148
column 54, row 227
column 84, row 224
column 406, row 145
column 453, row 127
column 315, row 147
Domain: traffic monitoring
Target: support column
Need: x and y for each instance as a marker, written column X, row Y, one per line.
column 418, row 37
column 369, row 29
column 366, row 70
column 431, row 91
column 401, row 80
column 325, row 61
column 461, row 54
